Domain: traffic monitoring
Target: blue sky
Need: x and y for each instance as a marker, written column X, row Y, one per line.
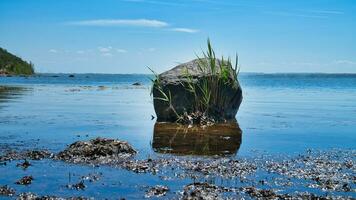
column 126, row 36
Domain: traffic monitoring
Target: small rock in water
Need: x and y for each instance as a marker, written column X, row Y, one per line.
column 38, row 154
column 260, row 193
column 24, row 165
column 156, row 191
column 97, row 151
column 6, row 191
column 71, row 76
column 92, row 177
column 139, row 166
column 30, row 154
column 102, row 87
column 137, row 84
column 26, row 180
column 27, row 196
column 32, row 196
column 77, row 186
column 203, row 191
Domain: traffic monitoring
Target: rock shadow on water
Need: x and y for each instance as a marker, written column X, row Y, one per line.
column 222, row 139
column 9, row 93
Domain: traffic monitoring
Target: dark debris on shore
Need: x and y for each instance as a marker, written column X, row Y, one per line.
column 156, row 191
column 33, row 196
column 11, row 155
column 331, row 172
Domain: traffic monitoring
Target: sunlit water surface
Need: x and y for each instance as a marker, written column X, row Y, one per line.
column 280, row 114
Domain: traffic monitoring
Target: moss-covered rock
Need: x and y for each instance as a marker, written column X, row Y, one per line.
column 195, row 92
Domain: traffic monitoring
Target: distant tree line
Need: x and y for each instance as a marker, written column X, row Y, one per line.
column 11, row 64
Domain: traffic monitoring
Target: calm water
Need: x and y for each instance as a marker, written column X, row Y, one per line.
column 280, row 114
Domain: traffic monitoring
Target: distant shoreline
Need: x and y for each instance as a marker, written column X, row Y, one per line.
column 142, row 74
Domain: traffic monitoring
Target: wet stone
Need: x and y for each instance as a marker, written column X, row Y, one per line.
column 226, row 168
column 140, row 166
column 38, row 154
column 92, row 177
column 137, row 84
column 23, row 155
column 97, row 151
column 26, row 180
column 32, row 196
column 10, row 155
column 329, row 171
column 27, row 196
column 203, row 191
column 24, row 164
column 77, row 186
column 7, row 191
column 260, row 193
column 156, row 191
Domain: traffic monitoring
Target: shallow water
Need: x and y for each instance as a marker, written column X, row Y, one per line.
column 283, row 114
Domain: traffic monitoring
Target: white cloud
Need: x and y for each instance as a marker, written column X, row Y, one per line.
column 165, row 3
column 109, row 51
column 151, row 49
column 53, row 51
column 105, row 49
column 345, row 62
column 121, row 22
column 331, row 12
column 121, row 50
column 185, row 30
column 294, row 14
column 80, row 52
column 107, row 54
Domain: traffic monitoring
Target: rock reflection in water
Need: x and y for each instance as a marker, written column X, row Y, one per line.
column 219, row 139
column 8, row 93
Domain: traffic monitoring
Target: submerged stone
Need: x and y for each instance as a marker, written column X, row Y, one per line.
column 6, row 191
column 97, row 151
column 24, row 164
column 224, row 88
column 77, row 186
column 26, row 180
column 27, row 196
column 38, row 154
column 23, row 155
column 156, row 191
column 203, row 191
column 33, row 196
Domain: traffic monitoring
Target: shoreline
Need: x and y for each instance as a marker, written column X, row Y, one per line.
column 313, row 167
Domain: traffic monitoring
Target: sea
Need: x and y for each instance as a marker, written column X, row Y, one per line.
column 280, row 115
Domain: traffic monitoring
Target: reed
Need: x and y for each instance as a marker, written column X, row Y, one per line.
column 216, row 72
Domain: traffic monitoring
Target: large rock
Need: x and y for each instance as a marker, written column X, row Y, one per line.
column 183, row 101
